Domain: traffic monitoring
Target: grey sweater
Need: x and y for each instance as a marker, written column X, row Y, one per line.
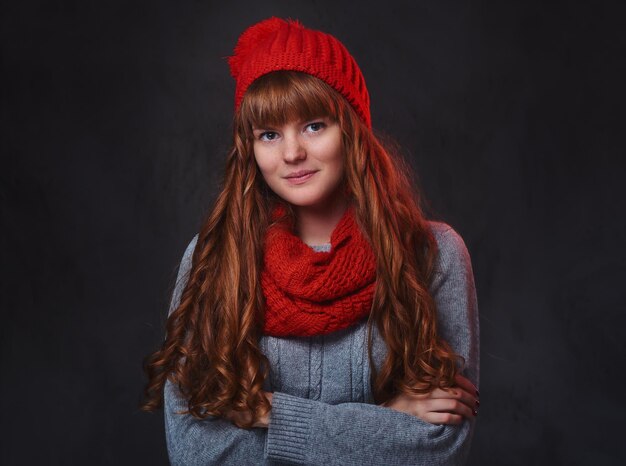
column 322, row 407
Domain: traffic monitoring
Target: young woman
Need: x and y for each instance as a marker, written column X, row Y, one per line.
column 318, row 317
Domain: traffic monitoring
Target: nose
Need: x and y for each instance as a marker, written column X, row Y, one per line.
column 293, row 150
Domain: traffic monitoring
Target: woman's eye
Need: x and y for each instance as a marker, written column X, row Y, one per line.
column 267, row 136
column 317, row 126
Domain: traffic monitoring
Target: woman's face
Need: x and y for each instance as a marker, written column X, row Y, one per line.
column 302, row 161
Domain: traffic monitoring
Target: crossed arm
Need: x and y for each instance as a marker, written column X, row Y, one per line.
column 433, row 428
column 436, row 407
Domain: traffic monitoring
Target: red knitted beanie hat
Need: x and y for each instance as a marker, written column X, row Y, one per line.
column 277, row 44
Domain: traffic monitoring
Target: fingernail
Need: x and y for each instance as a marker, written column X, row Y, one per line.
column 475, row 412
column 477, row 403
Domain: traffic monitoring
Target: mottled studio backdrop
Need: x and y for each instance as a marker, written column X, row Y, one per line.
column 115, row 119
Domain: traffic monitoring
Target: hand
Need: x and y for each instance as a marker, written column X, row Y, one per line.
column 243, row 417
column 440, row 406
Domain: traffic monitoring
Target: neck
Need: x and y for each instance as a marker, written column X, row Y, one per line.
column 315, row 225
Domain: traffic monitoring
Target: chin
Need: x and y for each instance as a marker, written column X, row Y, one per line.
column 311, row 201
column 301, row 199
column 309, row 197
column 302, row 202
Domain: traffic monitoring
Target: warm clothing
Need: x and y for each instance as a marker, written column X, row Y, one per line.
column 322, row 407
column 311, row 293
column 276, row 44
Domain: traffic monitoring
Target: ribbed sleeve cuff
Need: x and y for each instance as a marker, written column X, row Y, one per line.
column 289, row 428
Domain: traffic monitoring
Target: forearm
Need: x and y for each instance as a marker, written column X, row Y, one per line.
column 192, row 441
column 305, row 431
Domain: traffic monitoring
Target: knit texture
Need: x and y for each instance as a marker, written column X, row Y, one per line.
column 313, row 293
column 277, row 44
column 323, row 412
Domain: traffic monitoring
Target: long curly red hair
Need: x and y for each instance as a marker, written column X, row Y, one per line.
column 211, row 351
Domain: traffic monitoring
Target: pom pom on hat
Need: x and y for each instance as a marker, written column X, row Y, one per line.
column 277, row 44
column 250, row 39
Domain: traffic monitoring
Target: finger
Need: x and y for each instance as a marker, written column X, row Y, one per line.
column 450, row 405
column 443, row 418
column 467, row 398
column 458, row 393
column 465, row 384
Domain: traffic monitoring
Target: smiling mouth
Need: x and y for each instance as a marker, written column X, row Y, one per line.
column 300, row 177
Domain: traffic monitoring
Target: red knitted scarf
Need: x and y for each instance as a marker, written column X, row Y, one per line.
column 313, row 293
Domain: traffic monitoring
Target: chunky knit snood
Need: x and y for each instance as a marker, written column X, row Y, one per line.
column 313, row 293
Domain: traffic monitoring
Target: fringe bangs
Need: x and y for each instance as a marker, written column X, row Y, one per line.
column 283, row 96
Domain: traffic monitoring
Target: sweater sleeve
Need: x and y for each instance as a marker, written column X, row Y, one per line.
column 212, row 441
column 304, row 431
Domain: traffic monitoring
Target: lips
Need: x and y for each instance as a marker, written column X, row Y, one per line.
column 300, row 174
column 300, row 177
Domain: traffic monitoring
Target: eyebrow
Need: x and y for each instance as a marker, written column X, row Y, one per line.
column 259, row 128
column 299, row 122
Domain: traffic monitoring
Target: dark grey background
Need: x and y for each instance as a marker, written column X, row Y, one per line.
column 115, row 122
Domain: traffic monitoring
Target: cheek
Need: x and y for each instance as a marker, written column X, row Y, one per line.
column 263, row 162
column 333, row 151
column 268, row 170
column 338, row 162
